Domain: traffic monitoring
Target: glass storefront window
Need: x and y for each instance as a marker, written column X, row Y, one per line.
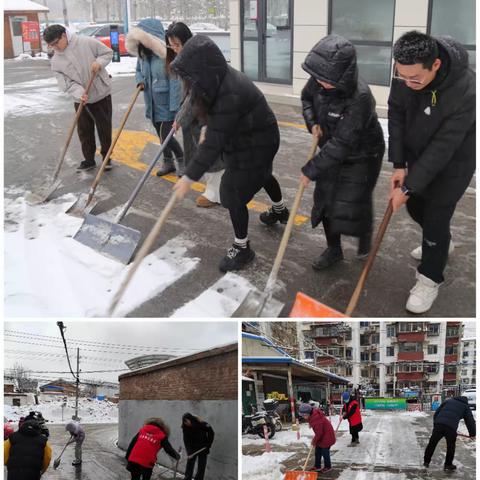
column 369, row 26
column 456, row 19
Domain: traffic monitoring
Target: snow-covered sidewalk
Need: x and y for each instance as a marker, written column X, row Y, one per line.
column 391, row 447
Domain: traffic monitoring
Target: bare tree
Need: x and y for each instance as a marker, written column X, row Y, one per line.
column 21, row 377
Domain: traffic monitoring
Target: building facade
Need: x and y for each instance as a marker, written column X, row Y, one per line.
column 204, row 384
column 388, row 357
column 269, row 39
column 469, row 362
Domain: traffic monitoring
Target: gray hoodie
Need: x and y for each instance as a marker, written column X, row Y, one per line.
column 73, row 68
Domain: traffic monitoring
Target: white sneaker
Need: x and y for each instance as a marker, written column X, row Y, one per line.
column 416, row 253
column 422, row 295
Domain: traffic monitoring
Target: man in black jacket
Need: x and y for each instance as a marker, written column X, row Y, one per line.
column 445, row 424
column 431, row 122
column 242, row 129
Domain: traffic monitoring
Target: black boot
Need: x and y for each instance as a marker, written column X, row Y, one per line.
column 364, row 245
column 85, row 166
column 236, row 258
column 167, row 167
column 328, row 258
column 271, row 217
column 450, row 468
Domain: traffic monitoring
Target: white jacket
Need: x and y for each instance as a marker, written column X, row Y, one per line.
column 73, row 68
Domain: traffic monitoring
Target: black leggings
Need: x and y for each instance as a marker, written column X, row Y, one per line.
column 173, row 147
column 202, row 465
column 440, row 431
column 235, row 195
column 140, row 473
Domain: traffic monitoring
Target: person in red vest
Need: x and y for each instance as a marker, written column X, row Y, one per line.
column 351, row 412
column 144, row 447
column 324, row 436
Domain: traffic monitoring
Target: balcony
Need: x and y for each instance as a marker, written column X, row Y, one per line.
column 450, row 358
column 327, row 341
column 449, row 377
column 325, row 361
column 411, row 376
column 411, row 336
column 410, row 356
column 452, row 341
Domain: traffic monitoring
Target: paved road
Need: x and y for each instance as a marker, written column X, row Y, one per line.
column 33, row 137
column 102, row 460
column 391, row 447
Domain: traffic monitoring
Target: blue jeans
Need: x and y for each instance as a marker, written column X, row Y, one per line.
column 325, row 453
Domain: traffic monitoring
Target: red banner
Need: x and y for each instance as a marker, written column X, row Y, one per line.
column 31, row 33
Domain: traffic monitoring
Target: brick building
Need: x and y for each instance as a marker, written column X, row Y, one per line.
column 205, row 384
column 15, row 13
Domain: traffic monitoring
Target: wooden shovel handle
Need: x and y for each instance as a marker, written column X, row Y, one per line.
column 72, row 128
column 308, row 458
column 142, row 253
column 371, row 257
column 112, row 146
column 272, row 278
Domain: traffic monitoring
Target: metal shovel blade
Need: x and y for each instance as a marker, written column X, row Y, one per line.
column 108, row 238
column 42, row 195
column 79, row 208
column 56, row 463
column 258, row 304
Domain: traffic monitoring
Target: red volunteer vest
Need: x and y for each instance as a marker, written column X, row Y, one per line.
column 149, row 442
column 356, row 418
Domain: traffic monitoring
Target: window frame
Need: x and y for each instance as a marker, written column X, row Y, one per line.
column 370, row 43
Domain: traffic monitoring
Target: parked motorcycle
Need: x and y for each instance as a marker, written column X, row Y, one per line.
column 271, row 406
column 254, row 424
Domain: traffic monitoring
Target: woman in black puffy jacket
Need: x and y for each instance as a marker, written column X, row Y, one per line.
column 339, row 109
column 241, row 129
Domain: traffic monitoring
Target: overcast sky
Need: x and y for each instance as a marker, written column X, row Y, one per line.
column 24, row 343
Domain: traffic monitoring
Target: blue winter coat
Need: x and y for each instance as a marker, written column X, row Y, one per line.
column 162, row 92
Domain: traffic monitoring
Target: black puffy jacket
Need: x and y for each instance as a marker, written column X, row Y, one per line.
column 198, row 435
column 432, row 131
column 241, row 127
column 451, row 411
column 351, row 149
column 27, row 449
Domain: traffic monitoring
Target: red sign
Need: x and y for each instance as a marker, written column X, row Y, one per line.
column 31, row 32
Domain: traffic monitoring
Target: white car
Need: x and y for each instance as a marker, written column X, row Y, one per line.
column 471, row 394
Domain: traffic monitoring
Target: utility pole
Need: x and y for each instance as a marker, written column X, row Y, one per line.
column 77, row 385
column 65, row 13
column 46, row 13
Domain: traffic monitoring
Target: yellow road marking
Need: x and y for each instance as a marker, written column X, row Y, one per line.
column 129, row 148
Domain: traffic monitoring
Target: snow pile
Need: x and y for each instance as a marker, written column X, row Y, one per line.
column 48, row 274
column 126, row 67
column 263, row 467
column 26, row 56
column 89, row 410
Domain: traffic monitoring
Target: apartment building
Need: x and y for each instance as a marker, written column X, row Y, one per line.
column 386, row 357
column 468, row 362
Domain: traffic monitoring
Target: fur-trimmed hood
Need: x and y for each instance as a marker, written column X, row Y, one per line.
column 151, row 34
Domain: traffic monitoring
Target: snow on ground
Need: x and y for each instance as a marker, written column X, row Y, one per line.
column 263, row 467
column 90, row 411
column 219, row 300
column 126, row 67
column 35, row 97
column 359, row 475
column 27, row 56
column 47, row 273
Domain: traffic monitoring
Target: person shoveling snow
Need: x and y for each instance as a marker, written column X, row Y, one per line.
column 78, row 436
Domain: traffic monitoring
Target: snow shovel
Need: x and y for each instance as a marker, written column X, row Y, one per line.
column 255, row 302
column 57, row 461
column 86, row 202
column 44, row 195
column 196, row 453
column 176, row 464
column 302, row 474
column 110, row 238
column 306, row 306
column 142, row 253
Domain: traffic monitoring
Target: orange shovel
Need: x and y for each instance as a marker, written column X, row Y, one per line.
column 302, row 474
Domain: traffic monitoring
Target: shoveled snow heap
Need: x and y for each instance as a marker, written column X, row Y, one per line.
column 263, row 467
column 47, row 273
column 90, row 411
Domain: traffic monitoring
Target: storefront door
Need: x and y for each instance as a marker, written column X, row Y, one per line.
column 267, row 40
column 16, row 30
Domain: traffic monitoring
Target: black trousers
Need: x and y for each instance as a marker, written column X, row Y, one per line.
column 435, row 222
column 173, row 147
column 202, row 465
column 439, row 432
column 140, row 473
column 98, row 114
column 238, row 187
